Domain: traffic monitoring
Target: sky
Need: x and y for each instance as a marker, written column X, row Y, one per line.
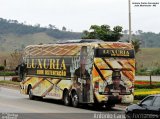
column 79, row 15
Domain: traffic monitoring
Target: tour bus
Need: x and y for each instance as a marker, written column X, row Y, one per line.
column 100, row 73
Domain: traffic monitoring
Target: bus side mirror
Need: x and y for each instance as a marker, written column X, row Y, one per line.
column 16, row 70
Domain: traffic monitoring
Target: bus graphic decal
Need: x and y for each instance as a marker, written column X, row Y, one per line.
column 95, row 72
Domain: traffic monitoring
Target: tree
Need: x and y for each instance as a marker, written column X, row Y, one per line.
column 103, row 32
column 52, row 26
column 37, row 25
column 64, row 28
column 136, row 43
column 125, row 31
column 140, row 31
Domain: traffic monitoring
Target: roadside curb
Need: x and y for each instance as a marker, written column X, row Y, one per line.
column 12, row 86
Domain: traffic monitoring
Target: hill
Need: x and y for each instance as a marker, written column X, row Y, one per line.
column 15, row 35
column 11, row 42
column 148, row 39
column 13, row 26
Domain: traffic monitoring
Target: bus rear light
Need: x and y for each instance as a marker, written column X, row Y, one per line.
column 131, row 87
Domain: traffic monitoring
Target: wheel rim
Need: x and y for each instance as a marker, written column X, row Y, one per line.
column 30, row 93
column 66, row 100
column 75, row 100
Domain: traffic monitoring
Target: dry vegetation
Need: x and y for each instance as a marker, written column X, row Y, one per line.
column 13, row 42
column 148, row 58
column 12, row 59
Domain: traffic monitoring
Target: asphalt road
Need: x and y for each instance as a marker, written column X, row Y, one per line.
column 17, row 106
column 142, row 78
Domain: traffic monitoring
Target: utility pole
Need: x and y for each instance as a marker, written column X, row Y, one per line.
column 5, row 63
column 129, row 7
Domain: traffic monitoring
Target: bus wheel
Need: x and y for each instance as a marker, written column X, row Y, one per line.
column 98, row 105
column 66, row 98
column 75, row 100
column 109, row 107
column 31, row 96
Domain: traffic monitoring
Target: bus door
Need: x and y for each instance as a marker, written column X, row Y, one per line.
column 84, row 75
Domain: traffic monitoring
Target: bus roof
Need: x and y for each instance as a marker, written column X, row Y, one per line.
column 80, row 43
column 71, row 48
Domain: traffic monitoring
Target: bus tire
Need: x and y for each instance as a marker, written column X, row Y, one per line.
column 109, row 107
column 98, row 105
column 66, row 98
column 75, row 100
column 30, row 93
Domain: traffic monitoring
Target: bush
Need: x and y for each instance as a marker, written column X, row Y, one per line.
column 140, row 86
column 1, row 68
column 7, row 73
column 156, row 71
column 139, row 94
column 143, row 90
column 142, row 72
column 140, row 97
column 151, row 71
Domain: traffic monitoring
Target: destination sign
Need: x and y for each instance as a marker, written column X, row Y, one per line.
column 114, row 53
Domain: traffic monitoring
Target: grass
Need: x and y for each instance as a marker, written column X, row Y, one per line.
column 2, row 82
column 139, row 94
column 146, row 90
column 148, row 58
